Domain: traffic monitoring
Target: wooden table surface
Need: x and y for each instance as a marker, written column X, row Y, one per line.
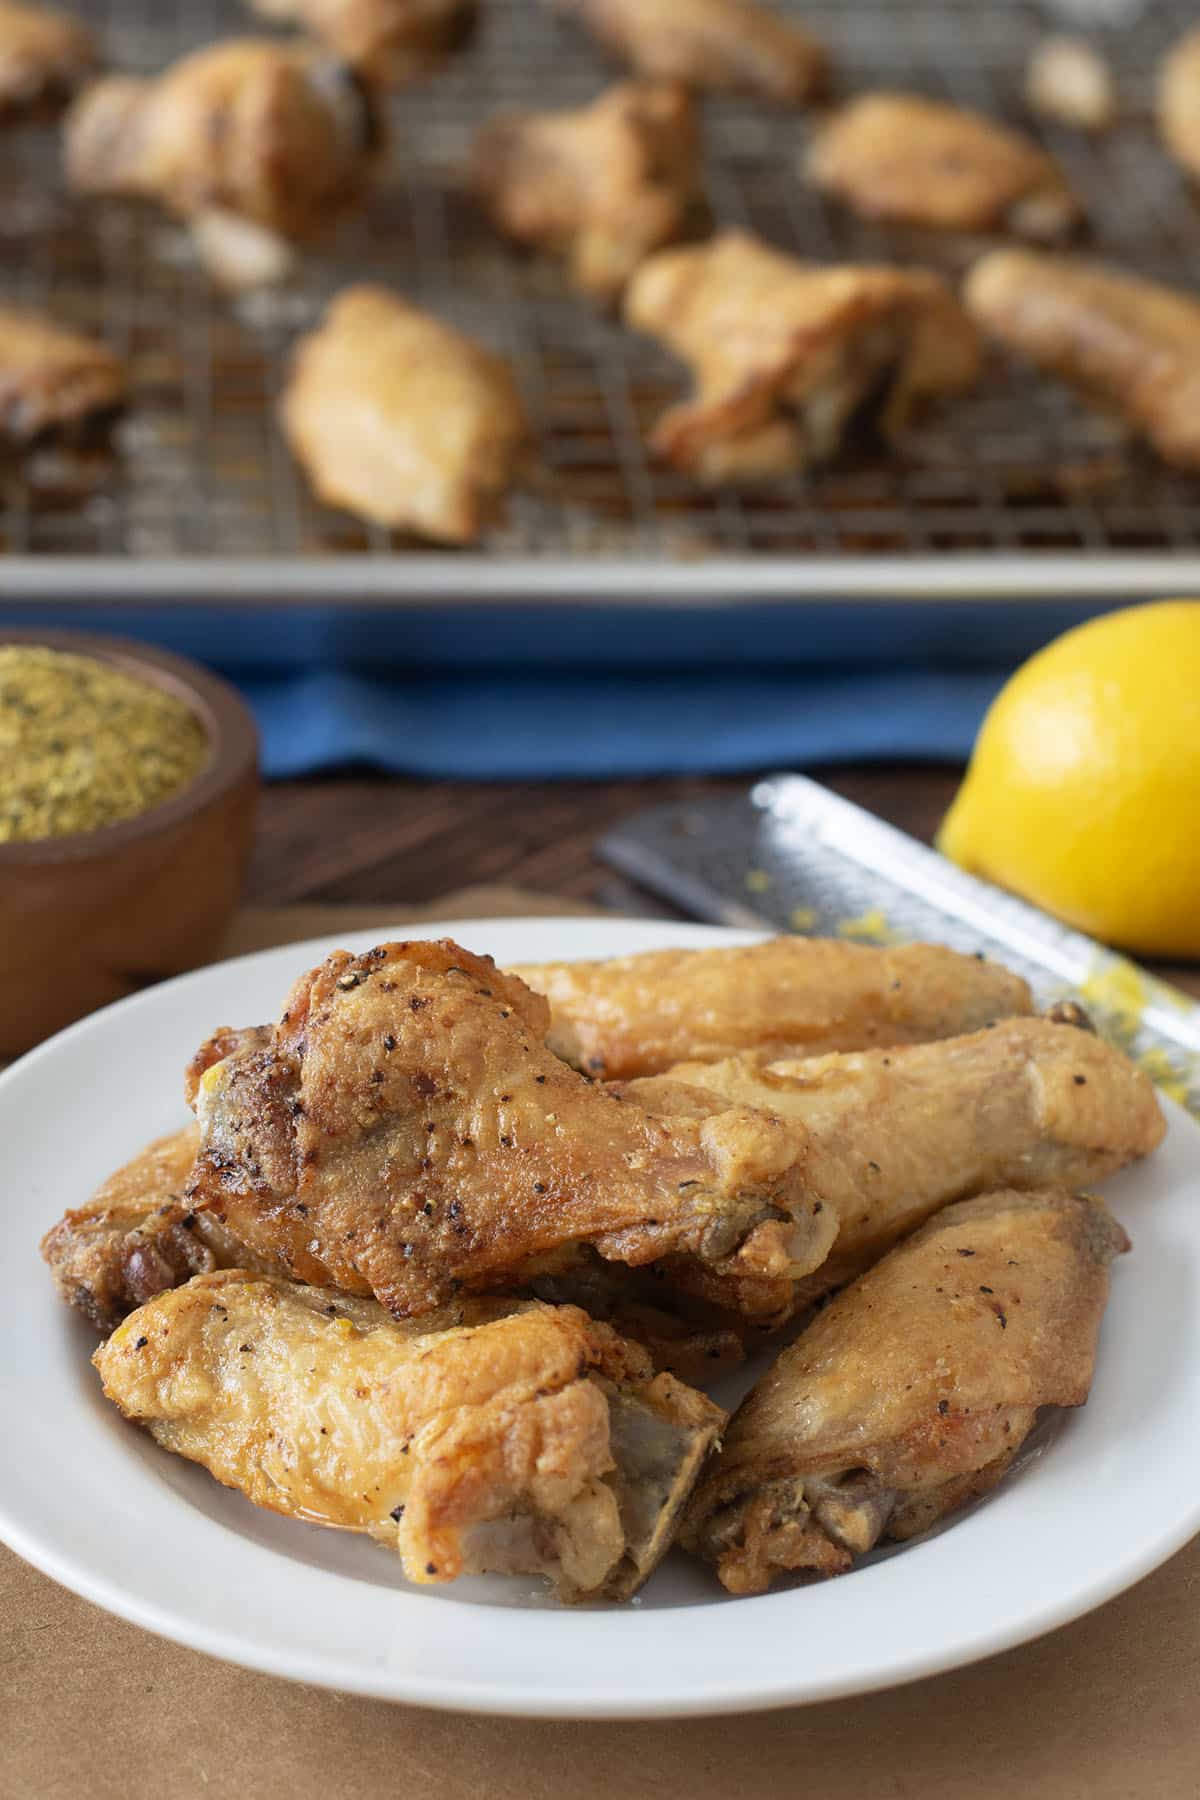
column 374, row 840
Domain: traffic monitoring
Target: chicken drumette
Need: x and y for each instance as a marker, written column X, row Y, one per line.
column 403, row 420
column 912, row 1392
column 787, row 356
column 45, row 57
column 522, row 1439
column 915, row 161
column 1130, row 345
column 256, row 144
column 391, row 42
column 404, row 1132
column 788, row 996
column 734, row 46
column 602, row 186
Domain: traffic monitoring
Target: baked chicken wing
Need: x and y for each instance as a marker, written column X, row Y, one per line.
column 1179, row 103
column 391, row 42
column 482, row 1440
column 787, row 356
column 914, row 161
column 734, row 46
column 912, row 1391
column 45, row 57
column 405, row 1133
column 400, row 419
column 788, row 996
column 602, row 186
column 888, row 1137
column 1129, row 345
column 256, row 144
column 53, row 380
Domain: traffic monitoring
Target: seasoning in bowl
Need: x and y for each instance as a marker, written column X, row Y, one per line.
column 84, row 745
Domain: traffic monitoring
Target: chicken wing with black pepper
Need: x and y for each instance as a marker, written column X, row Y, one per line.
column 1131, row 346
column 911, row 1393
column 787, row 996
column 524, row 1439
column 405, row 1133
column 727, row 46
column 787, row 357
column 54, row 381
column 391, row 42
column 46, row 56
column 903, row 158
column 256, row 144
column 601, row 186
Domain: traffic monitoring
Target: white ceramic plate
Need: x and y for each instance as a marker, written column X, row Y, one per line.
column 96, row 1505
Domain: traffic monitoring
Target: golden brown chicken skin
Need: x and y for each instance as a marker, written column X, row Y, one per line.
column 786, row 356
column 400, row 419
column 601, row 186
column 408, row 1135
column 54, row 381
column 1130, row 346
column 912, row 1392
column 254, row 143
column 906, row 159
column 1179, row 103
column 727, row 46
column 788, row 996
column 486, row 1439
column 45, row 58
column 886, row 1138
column 391, row 42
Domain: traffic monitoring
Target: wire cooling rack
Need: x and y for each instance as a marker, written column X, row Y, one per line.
column 1016, row 486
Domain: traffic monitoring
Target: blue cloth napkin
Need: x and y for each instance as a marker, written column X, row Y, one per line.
column 506, row 725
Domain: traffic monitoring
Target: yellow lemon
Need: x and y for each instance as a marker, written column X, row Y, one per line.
column 1083, row 792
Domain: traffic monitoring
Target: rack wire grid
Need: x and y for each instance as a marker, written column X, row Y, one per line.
column 1018, row 478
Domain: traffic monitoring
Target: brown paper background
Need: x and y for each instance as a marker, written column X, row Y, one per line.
column 94, row 1709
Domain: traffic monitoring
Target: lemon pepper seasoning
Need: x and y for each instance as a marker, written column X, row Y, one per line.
column 83, row 745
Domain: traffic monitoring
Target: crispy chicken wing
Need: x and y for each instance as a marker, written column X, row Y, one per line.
column 912, row 1392
column 406, row 1133
column 888, row 1137
column 726, row 45
column 1130, row 345
column 601, row 186
column 787, row 356
column 485, row 1439
column 1179, row 103
column 45, row 57
column 402, row 420
column 921, row 162
column 254, row 143
column 53, row 380
column 392, row 42
column 788, row 996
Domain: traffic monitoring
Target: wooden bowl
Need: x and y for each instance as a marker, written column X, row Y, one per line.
column 89, row 918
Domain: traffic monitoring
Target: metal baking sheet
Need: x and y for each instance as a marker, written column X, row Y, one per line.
column 1017, row 495
column 792, row 855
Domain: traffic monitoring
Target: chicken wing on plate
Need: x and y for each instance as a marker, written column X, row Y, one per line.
column 788, row 356
column 788, row 996
column 524, row 1440
column 733, row 46
column 402, row 420
column 1129, row 345
column 910, row 160
column 405, row 1133
column 912, row 1391
column 391, row 42
column 888, row 1137
column 53, row 380
column 45, row 57
column 256, row 144
column 601, row 186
